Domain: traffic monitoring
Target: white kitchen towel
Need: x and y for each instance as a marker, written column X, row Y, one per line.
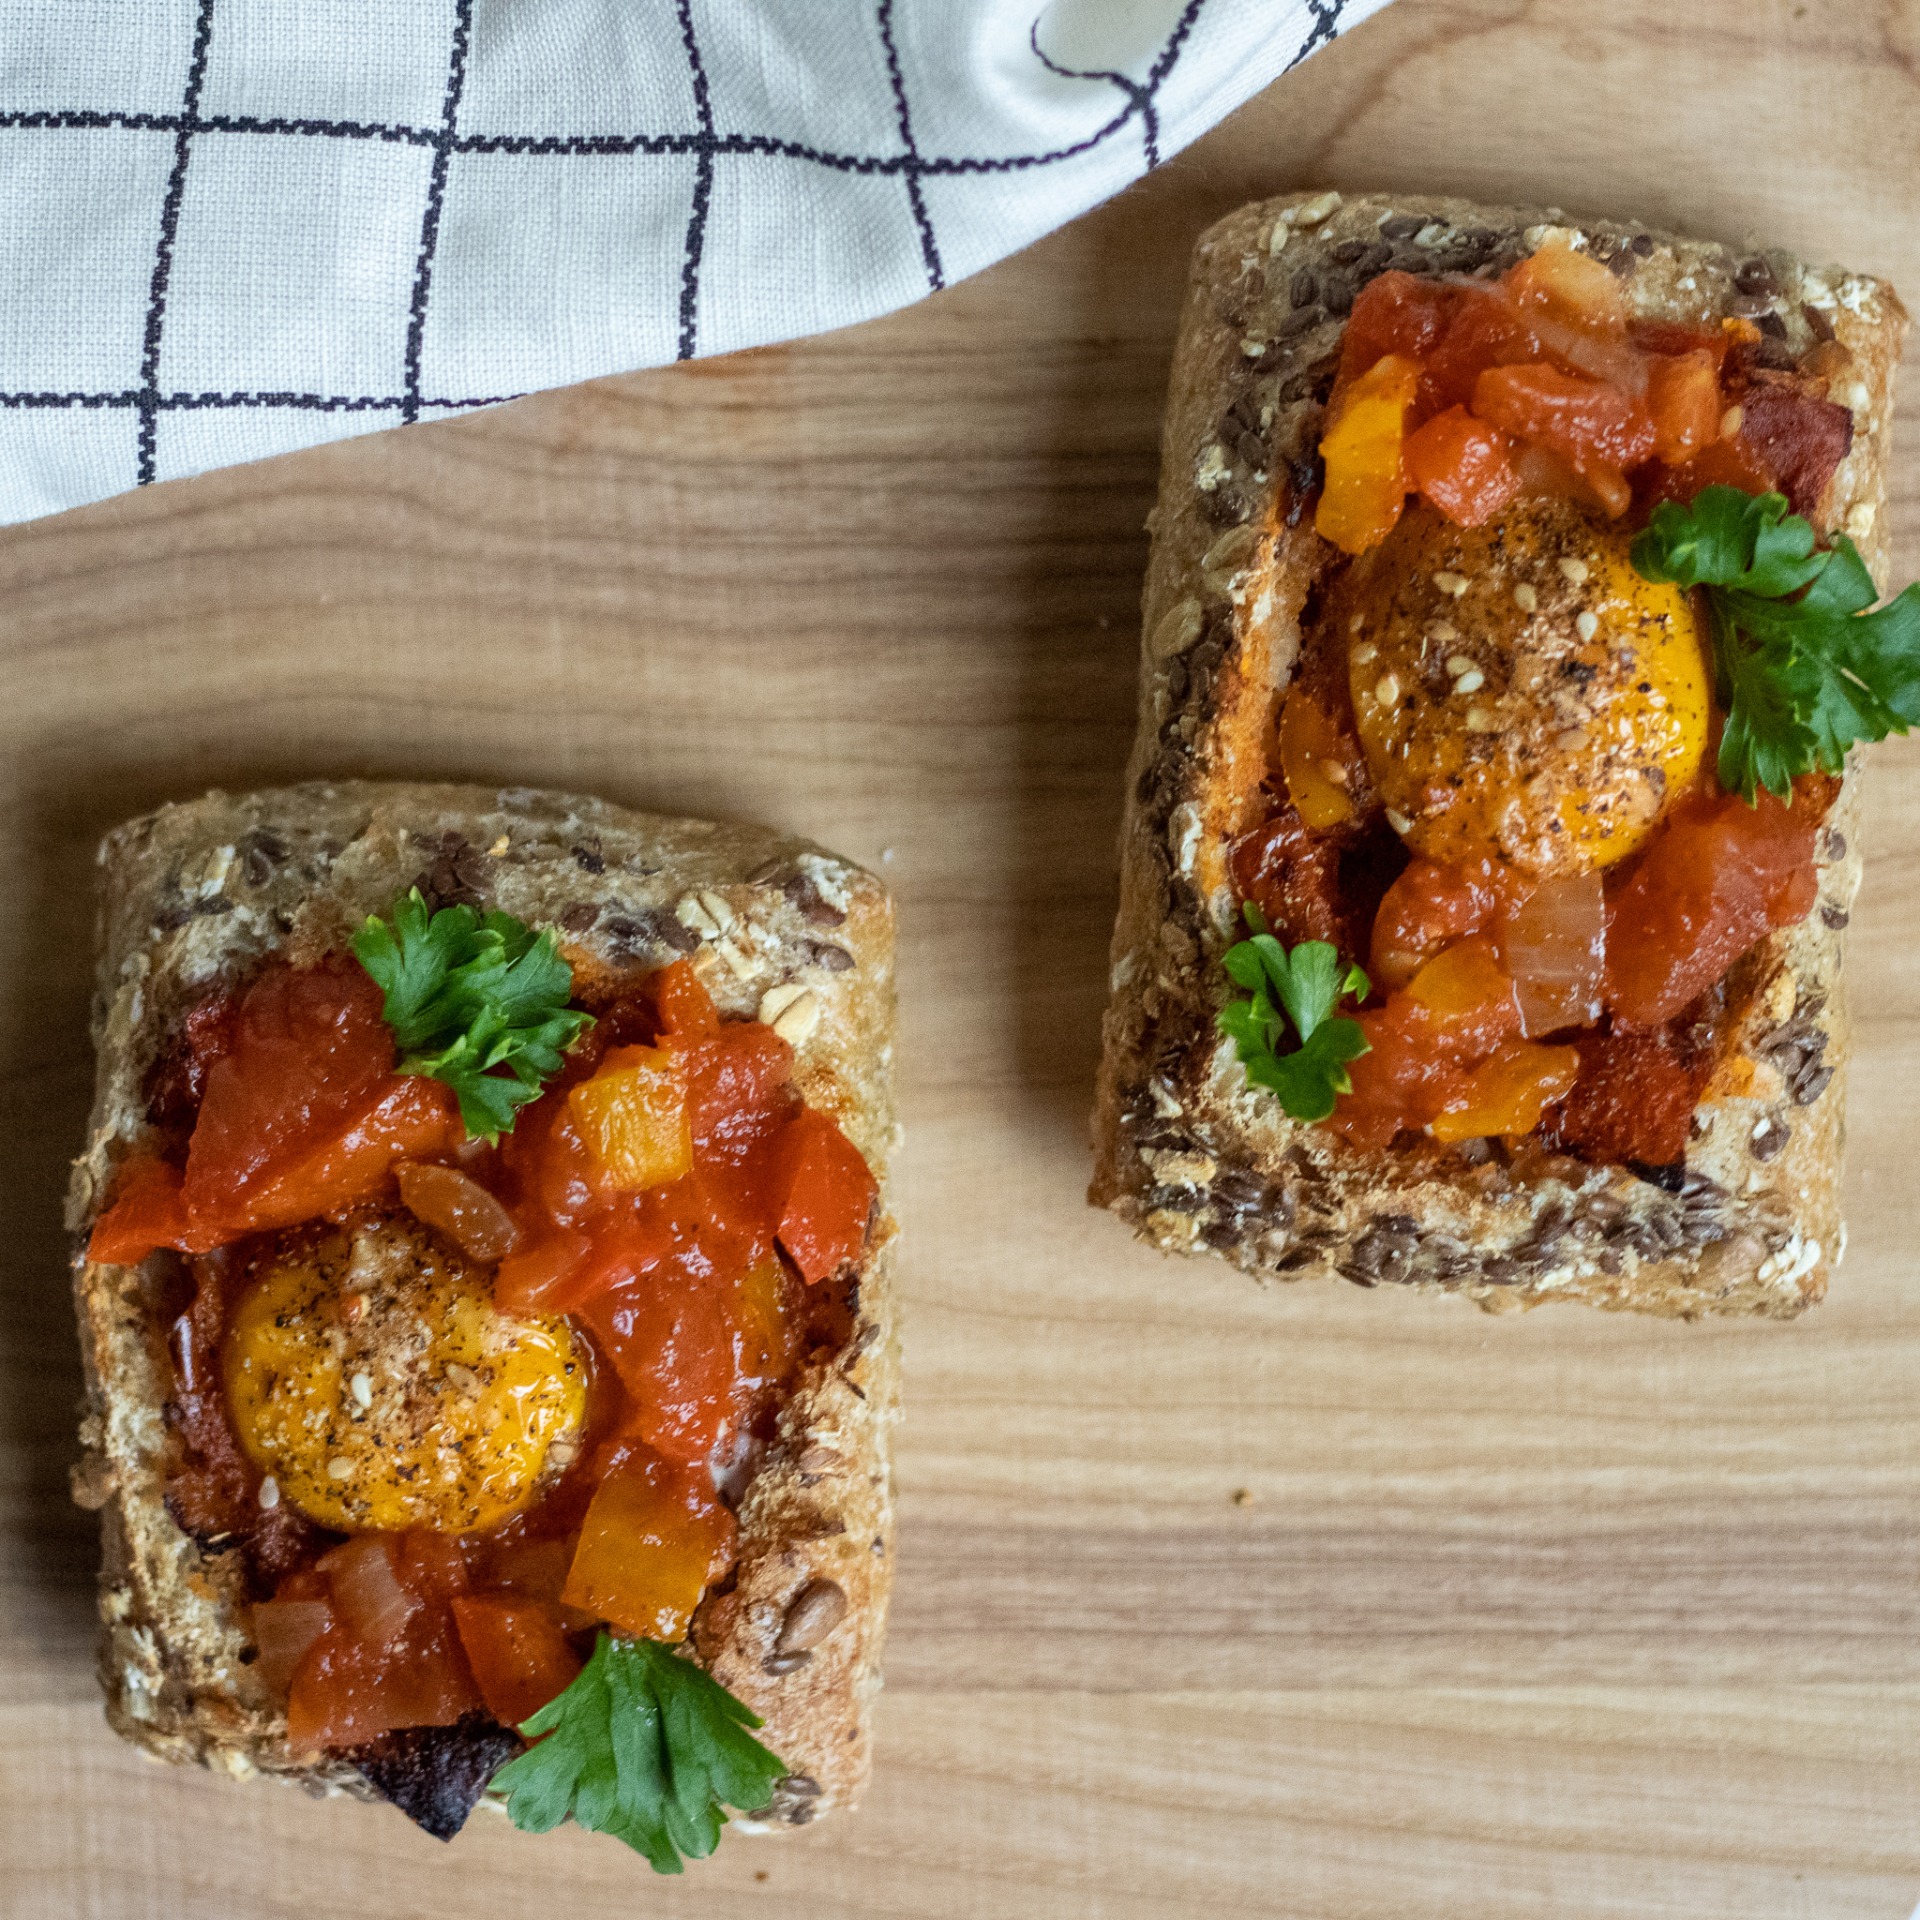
column 229, row 228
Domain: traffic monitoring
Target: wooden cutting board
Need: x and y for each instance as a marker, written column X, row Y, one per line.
column 1307, row 1602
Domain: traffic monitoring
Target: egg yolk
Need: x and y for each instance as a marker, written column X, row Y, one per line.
column 1520, row 690
column 370, row 1374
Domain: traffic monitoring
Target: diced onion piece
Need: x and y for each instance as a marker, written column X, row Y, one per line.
column 1555, row 947
column 1561, row 280
column 461, row 1208
column 282, row 1631
column 374, row 1606
column 1578, row 312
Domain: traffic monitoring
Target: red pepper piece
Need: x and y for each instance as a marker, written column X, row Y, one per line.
column 519, row 1656
column 825, row 1196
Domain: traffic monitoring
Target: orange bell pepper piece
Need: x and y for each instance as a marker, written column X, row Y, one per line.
column 1508, row 1092
column 1592, row 424
column 1312, row 752
column 633, row 1117
column 653, row 1538
column 1683, row 395
column 1366, row 487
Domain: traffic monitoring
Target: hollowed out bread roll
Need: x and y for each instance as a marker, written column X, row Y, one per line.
column 1191, row 1157
column 199, row 893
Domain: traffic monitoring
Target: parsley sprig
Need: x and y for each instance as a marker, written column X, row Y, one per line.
column 1303, row 986
column 479, row 1002
column 644, row 1746
column 1803, row 670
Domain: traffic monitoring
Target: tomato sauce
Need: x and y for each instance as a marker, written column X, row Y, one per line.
column 669, row 1191
column 1470, row 396
column 1470, row 393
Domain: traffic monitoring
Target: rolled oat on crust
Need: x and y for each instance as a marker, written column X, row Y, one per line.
column 195, row 894
column 1184, row 1151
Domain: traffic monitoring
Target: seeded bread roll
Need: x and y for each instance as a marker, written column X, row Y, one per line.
column 196, row 894
column 1185, row 1152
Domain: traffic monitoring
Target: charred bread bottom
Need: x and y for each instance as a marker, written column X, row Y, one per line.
column 198, row 894
column 1186, row 1151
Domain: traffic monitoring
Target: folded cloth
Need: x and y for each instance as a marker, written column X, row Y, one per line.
column 229, row 228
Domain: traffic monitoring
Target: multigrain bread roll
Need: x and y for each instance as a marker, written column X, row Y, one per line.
column 198, row 898
column 1745, row 1218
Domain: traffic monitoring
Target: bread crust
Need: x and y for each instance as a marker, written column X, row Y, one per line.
column 1183, row 1150
column 197, row 893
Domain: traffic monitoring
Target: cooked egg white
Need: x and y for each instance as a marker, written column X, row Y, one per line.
column 369, row 1372
column 1520, row 690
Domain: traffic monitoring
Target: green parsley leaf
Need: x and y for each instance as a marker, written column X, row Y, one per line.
column 1802, row 678
column 645, row 1746
column 1301, row 988
column 477, row 1001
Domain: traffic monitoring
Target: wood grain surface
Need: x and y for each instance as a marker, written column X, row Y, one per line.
column 1559, row 1615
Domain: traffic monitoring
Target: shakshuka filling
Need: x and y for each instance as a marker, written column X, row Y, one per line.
column 1493, row 781
column 458, row 1405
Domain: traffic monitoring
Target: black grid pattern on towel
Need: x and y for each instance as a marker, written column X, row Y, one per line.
column 705, row 142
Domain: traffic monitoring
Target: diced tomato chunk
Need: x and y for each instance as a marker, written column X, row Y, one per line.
column 344, row 1694
column 1717, row 879
column 1395, row 312
column 669, row 1331
column 1634, row 1100
column 738, row 1087
column 1463, row 466
column 412, row 1117
column 685, row 1007
column 390, row 1656
column 1591, row 423
column 1458, row 1009
column 519, row 1656
column 310, row 1054
column 1721, row 463
column 148, row 1210
column 824, row 1193
column 1799, row 437
column 654, row 1537
column 545, row 1273
column 1316, row 886
column 1431, row 906
column 1486, row 330
column 1400, row 1083
column 1683, row 396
